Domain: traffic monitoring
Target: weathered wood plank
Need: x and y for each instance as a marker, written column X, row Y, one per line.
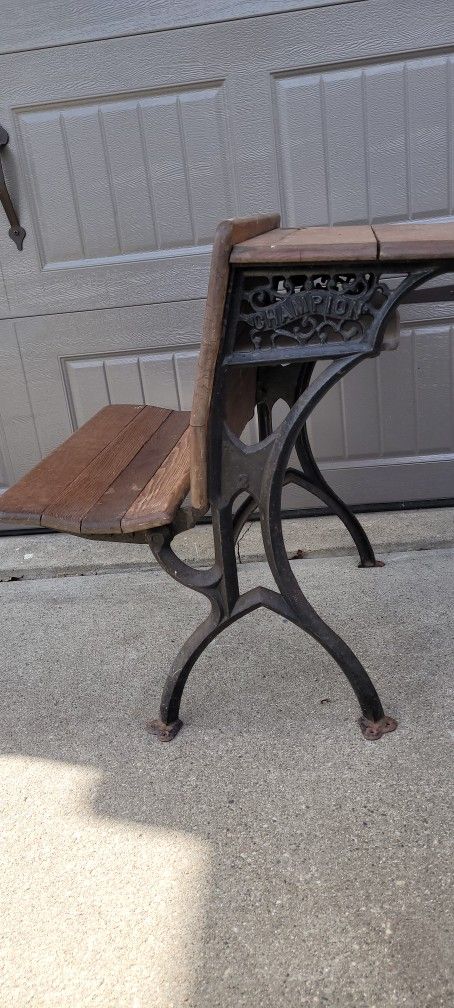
column 415, row 241
column 105, row 516
column 228, row 234
column 312, row 244
column 261, row 245
column 159, row 500
column 67, row 511
column 27, row 500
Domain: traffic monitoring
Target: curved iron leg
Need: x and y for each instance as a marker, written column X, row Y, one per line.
column 169, row 724
column 312, row 472
column 207, row 582
column 373, row 723
column 297, row 478
column 220, row 586
column 310, row 468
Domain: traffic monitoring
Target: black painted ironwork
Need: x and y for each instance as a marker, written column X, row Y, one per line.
column 16, row 232
column 319, row 313
column 285, row 357
column 314, row 307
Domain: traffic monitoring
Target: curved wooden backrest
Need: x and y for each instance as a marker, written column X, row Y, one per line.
column 228, row 234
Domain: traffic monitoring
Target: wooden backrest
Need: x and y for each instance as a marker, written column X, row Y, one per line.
column 228, row 234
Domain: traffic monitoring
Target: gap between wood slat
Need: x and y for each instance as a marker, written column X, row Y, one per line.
column 27, row 499
column 105, row 516
column 68, row 510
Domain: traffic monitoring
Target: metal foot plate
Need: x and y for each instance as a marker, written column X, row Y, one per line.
column 373, row 730
column 164, row 732
column 368, row 563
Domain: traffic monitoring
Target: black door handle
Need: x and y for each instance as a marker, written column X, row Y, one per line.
column 16, row 232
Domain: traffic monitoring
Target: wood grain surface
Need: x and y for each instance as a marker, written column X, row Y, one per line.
column 312, row 244
column 228, row 234
column 415, row 241
column 30, row 496
column 126, row 459
column 108, row 511
column 159, row 500
column 67, row 511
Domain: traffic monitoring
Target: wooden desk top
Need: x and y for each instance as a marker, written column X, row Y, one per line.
column 350, row 243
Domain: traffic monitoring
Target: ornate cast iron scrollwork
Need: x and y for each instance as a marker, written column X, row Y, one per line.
column 313, row 306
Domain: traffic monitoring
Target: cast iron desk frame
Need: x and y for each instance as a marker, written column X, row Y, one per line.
column 261, row 470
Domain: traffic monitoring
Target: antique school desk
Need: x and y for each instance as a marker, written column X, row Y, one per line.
column 279, row 300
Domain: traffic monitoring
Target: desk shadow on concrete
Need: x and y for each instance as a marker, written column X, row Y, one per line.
column 269, row 855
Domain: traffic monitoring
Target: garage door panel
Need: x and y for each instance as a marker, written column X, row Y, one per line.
column 46, row 22
column 387, row 432
column 4, row 302
column 327, row 427
column 144, row 225
column 365, row 143
column 398, row 406
column 123, row 156
column 123, row 379
column 110, row 179
column 76, row 364
column 362, row 410
column 384, row 104
column 88, row 186
column 430, row 96
column 434, row 382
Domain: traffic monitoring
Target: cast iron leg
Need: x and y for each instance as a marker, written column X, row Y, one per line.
column 310, row 468
column 373, row 723
column 220, row 586
column 206, row 582
column 169, row 723
column 220, row 583
column 298, row 478
column 312, row 472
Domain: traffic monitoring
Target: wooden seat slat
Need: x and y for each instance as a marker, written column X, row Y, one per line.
column 67, row 511
column 107, row 513
column 30, row 496
column 161, row 497
column 126, row 461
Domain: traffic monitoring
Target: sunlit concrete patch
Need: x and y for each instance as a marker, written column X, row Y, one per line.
column 92, row 912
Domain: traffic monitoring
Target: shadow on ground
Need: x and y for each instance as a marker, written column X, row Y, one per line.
column 269, row 855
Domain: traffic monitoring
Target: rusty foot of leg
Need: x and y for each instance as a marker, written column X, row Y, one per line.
column 164, row 732
column 374, row 563
column 373, row 730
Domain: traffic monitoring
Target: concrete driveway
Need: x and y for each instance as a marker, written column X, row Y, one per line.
column 269, row 855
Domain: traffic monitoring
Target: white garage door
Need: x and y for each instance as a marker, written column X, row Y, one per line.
column 125, row 151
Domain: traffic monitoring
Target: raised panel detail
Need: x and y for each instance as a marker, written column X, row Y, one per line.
column 393, row 407
column 366, row 143
column 396, row 406
column 127, row 178
column 159, row 379
column 19, row 446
